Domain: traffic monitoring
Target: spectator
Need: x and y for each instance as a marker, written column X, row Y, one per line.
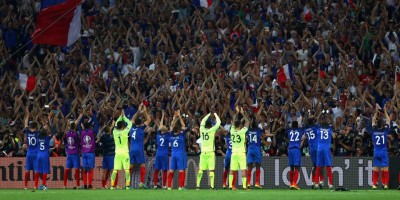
column 171, row 55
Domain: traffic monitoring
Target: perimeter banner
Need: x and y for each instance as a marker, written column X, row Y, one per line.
column 351, row 173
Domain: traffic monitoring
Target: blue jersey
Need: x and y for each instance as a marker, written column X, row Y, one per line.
column 162, row 143
column 228, row 143
column 311, row 133
column 254, row 138
column 178, row 142
column 325, row 136
column 44, row 146
column 137, row 137
column 295, row 135
column 380, row 139
column 31, row 138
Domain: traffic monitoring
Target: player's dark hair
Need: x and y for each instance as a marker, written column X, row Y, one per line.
column 42, row 133
column 254, row 124
column 33, row 125
column 176, row 129
column 380, row 123
column 310, row 121
column 120, row 125
column 138, row 121
column 325, row 121
column 295, row 124
column 208, row 124
column 107, row 129
column 87, row 125
column 72, row 126
column 238, row 123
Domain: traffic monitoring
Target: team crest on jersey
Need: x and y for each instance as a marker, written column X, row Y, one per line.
column 87, row 139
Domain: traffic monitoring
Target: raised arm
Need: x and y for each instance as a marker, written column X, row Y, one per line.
column 375, row 116
column 137, row 113
column 218, row 122
column 146, row 114
column 386, row 115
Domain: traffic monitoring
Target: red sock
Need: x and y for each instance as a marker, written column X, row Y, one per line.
column 77, row 177
column 84, row 177
column 313, row 175
column 130, row 171
column 170, row 177
column 142, row 174
column 26, row 178
column 90, row 176
column 329, row 174
column 155, row 177
column 226, row 176
column 318, row 175
column 116, row 180
column 258, row 172
column 181, row 179
column 249, row 177
column 234, row 180
column 385, row 177
column 44, row 179
column 36, row 180
column 107, row 176
column 375, row 175
column 296, row 177
column 291, row 175
column 66, row 172
column 164, row 178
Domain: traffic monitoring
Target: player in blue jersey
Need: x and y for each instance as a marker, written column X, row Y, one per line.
column 43, row 155
column 228, row 154
column 108, row 146
column 162, row 154
column 380, row 130
column 296, row 138
column 324, row 156
column 254, row 137
column 31, row 144
column 311, row 132
column 137, row 141
column 178, row 150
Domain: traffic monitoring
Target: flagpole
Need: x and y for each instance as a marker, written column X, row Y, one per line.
column 18, row 50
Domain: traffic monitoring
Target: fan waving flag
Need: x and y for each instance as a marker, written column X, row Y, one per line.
column 59, row 24
column 26, row 82
column 397, row 77
column 284, row 73
column 202, row 3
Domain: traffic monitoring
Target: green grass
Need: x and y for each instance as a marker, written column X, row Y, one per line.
column 203, row 194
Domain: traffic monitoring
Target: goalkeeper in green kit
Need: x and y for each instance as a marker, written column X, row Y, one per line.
column 207, row 157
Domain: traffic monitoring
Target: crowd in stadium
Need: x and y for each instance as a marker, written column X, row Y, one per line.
column 170, row 55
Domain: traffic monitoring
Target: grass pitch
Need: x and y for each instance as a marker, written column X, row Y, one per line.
column 203, row 194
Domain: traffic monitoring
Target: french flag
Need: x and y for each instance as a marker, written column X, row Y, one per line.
column 284, row 73
column 26, row 82
column 58, row 23
column 202, row 3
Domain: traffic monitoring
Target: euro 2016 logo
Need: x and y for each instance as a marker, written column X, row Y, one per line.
column 87, row 139
column 71, row 141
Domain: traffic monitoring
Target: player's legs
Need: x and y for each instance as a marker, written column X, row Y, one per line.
column 30, row 166
column 320, row 163
column 242, row 166
column 227, row 163
column 91, row 162
column 142, row 161
column 257, row 160
column 182, row 164
column 234, row 168
column 248, row 175
column 203, row 166
column 328, row 163
column 211, row 168
column 173, row 166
